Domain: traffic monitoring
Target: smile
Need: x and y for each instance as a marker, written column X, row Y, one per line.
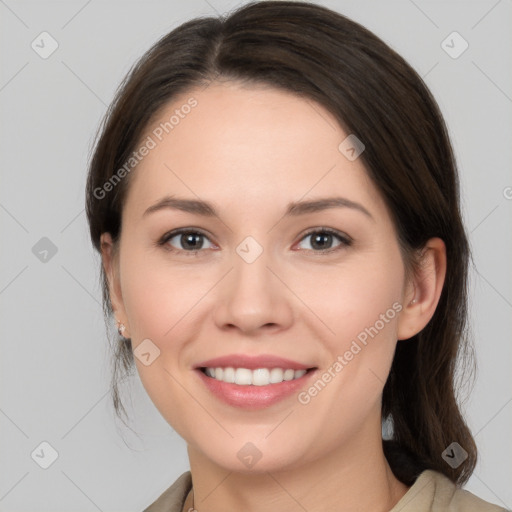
column 254, row 389
column 257, row 377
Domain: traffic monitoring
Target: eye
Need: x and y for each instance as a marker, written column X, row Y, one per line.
column 184, row 240
column 190, row 241
column 322, row 240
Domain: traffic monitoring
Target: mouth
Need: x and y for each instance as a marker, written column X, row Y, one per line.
column 254, row 377
column 257, row 389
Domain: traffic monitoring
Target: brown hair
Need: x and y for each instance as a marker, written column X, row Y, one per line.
column 323, row 56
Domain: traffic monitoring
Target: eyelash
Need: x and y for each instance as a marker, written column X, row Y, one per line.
column 345, row 240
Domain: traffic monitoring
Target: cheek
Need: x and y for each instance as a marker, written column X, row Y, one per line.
column 157, row 296
column 345, row 301
column 358, row 306
column 159, row 303
column 362, row 313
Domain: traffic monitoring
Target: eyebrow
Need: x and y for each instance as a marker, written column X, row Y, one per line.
column 206, row 209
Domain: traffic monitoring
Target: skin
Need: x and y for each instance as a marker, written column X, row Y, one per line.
column 250, row 151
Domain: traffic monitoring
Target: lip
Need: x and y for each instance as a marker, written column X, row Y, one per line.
column 254, row 397
column 253, row 362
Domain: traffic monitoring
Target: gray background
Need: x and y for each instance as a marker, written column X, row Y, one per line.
column 55, row 362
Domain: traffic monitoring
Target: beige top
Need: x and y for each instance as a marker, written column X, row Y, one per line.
column 431, row 492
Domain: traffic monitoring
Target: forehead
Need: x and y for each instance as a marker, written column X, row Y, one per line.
column 251, row 145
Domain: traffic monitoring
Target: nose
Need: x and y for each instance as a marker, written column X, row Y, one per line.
column 252, row 297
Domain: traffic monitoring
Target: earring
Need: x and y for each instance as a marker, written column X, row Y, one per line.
column 120, row 328
column 413, row 301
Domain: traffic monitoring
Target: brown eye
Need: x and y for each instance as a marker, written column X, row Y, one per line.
column 322, row 240
column 185, row 240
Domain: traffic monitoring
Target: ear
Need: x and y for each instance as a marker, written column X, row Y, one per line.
column 110, row 261
column 423, row 290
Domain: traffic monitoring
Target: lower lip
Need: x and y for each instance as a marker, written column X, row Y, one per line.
column 253, row 397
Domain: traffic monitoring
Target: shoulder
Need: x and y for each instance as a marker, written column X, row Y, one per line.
column 431, row 492
column 434, row 492
column 173, row 498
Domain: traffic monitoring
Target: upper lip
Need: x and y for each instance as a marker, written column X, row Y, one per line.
column 252, row 362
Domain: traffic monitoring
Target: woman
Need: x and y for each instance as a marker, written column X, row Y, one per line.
column 276, row 202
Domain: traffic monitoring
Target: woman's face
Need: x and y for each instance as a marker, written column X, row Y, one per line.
column 263, row 280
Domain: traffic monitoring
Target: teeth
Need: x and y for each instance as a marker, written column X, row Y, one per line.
column 228, row 375
column 258, row 377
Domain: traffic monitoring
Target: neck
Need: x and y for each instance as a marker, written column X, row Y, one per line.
column 355, row 476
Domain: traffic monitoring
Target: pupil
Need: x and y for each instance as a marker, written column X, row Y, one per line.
column 188, row 238
column 319, row 237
